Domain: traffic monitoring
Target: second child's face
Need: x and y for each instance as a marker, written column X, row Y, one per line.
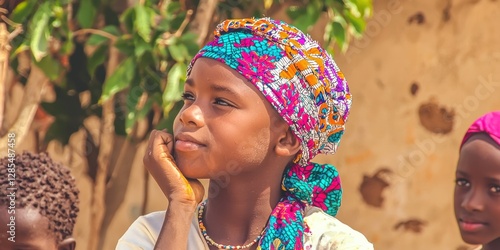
column 225, row 123
column 477, row 191
column 28, row 230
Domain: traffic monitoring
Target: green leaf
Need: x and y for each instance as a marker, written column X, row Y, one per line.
column 51, row 67
column 307, row 19
column 125, row 46
column 22, row 11
column 143, row 22
column 173, row 7
column 97, row 58
column 153, row 81
column 314, row 12
column 339, row 32
column 364, row 6
column 68, row 115
column 188, row 37
column 177, row 21
column 175, row 83
column 128, row 19
column 168, row 121
column 163, row 25
column 353, row 9
column 337, row 6
column 358, row 23
column 120, row 79
column 295, row 12
column 178, row 52
column 141, row 46
column 86, row 14
column 133, row 97
column 136, row 113
column 40, row 32
column 327, row 36
column 96, row 39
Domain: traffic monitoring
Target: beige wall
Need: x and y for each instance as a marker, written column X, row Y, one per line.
column 454, row 59
column 396, row 171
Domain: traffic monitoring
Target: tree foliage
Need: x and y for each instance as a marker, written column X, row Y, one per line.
column 71, row 42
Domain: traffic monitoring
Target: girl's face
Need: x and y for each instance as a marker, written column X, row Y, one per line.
column 225, row 123
column 477, row 191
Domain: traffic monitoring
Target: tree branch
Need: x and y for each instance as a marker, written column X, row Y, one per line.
column 97, row 32
column 203, row 19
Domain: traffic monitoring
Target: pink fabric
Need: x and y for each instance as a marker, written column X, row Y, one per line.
column 488, row 123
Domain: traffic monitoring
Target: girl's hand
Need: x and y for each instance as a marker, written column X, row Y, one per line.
column 161, row 165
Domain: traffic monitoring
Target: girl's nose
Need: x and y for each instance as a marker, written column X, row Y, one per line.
column 473, row 201
column 192, row 116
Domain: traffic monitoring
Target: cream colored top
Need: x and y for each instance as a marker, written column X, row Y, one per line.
column 327, row 232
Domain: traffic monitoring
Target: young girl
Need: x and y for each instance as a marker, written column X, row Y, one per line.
column 261, row 100
column 477, row 190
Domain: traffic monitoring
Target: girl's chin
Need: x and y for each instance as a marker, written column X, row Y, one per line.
column 190, row 173
column 473, row 240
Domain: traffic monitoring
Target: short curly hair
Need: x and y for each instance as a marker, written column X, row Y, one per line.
column 44, row 185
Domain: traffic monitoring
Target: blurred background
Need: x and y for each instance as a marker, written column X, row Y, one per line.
column 87, row 80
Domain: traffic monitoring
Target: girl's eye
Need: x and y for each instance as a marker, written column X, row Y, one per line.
column 462, row 182
column 495, row 189
column 221, row 102
column 187, row 96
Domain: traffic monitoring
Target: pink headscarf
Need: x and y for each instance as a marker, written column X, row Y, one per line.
column 488, row 124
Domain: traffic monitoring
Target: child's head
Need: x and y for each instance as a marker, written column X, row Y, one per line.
column 38, row 203
column 289, row 69
column 477, row 190
column 297, row 102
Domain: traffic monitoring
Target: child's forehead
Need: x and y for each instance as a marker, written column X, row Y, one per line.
column 30, row 225
column 480, row 154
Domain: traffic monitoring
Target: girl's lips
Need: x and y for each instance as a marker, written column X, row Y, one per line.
column 470, row 226
column 186, row 146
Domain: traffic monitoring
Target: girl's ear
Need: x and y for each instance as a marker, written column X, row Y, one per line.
column 67, row 244
column 288, row 144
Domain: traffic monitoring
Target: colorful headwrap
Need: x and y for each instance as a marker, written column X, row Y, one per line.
column 488, row 124
column 305, row 86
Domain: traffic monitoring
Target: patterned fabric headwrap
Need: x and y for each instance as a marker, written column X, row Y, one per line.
column 305, row 86
column 488, row 123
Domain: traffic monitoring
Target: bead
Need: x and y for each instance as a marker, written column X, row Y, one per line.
column 212, row 242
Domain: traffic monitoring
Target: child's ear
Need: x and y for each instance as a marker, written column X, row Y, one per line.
column 288, row 144
column 67, row 244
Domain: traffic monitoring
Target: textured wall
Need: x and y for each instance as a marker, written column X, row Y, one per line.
column 422, row 73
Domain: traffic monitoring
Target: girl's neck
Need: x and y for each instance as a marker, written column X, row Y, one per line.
column 493, row 245
column 238, row 209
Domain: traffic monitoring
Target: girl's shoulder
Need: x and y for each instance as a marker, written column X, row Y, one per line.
column 143, row 233
column 328, row 232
